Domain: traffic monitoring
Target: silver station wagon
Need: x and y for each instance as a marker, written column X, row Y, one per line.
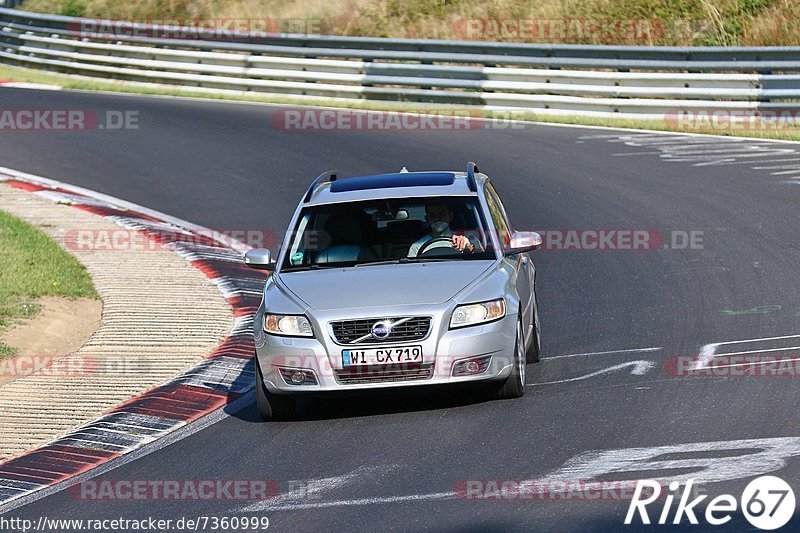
column 411, row 279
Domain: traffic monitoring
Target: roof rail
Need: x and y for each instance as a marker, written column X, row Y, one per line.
column 472, row 168
column 325, row 177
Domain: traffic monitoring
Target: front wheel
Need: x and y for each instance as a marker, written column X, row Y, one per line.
column 271, row 407
column 514, row 386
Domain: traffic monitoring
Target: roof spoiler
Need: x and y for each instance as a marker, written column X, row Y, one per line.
column 472, row 168
column 328, row 176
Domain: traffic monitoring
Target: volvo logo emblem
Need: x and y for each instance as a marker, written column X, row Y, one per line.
column 381, row 329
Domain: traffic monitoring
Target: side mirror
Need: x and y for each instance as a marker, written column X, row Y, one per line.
column 259, row 259
column 524, row 241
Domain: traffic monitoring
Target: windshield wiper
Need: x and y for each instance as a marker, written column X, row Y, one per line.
column 401, row 260
column 316, row 266
column 404, row 260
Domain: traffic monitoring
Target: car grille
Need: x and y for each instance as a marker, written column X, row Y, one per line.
column 413, row 329
column 385, row 373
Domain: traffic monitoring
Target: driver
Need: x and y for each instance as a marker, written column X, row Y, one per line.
column 439, row 218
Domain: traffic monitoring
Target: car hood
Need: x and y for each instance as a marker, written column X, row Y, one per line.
column 383, row 285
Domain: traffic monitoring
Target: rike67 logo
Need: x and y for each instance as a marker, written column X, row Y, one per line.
column 767, row 502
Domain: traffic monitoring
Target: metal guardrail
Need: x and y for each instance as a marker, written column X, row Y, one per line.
column 621, row 81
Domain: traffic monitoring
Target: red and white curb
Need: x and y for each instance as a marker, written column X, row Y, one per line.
column 224, row 375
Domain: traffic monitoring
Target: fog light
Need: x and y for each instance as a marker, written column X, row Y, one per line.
column 472, row 367
column 296, row 376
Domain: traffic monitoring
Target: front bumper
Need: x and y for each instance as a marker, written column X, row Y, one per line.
column 443, row 349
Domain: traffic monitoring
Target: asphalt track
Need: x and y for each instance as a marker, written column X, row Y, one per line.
column 392, row 463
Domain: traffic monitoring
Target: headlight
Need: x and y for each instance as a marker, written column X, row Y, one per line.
column 473, row 314
column 288, row 325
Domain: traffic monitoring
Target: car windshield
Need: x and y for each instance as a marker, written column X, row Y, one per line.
column 396, row 230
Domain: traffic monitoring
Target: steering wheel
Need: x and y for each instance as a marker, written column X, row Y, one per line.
column 437, row 243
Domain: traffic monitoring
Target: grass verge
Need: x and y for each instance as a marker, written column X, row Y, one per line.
column 31, row 266
column 66, row 81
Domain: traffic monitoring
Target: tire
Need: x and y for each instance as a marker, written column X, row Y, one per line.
column 271, row 407
column 532, row 355
column 514, row 385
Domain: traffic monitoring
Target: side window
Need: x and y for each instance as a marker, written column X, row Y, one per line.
column 498, row 216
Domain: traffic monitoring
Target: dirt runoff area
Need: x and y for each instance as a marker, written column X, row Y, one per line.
column 60, row 328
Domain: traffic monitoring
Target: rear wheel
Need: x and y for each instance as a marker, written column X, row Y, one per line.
column 514, row 386
column 272, row 407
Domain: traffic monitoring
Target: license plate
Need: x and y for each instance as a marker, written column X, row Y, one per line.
column 382, row 356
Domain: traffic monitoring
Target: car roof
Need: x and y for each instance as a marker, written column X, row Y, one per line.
column 395, row 185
